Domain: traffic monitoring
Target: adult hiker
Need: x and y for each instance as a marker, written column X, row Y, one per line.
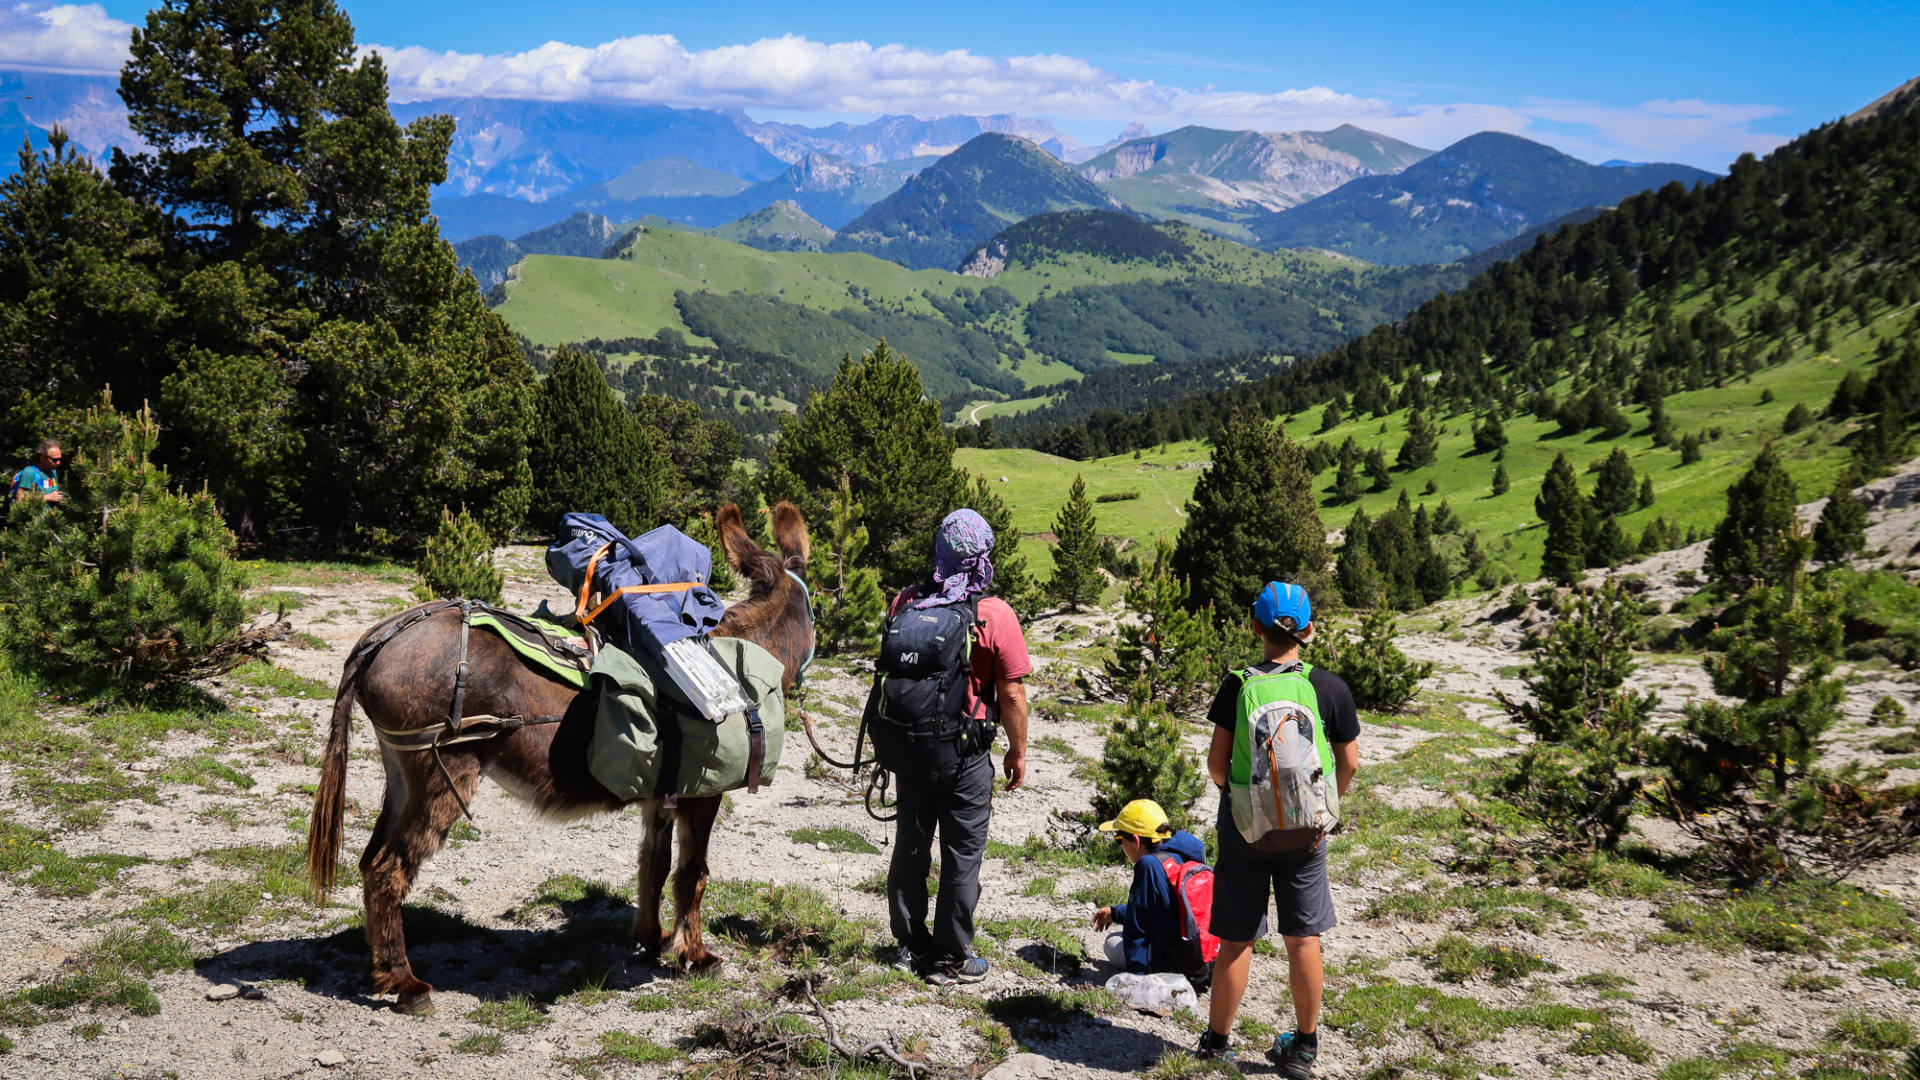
column 1150, row 931
column 40, row 480
column 1279, row 728
column 952, row 660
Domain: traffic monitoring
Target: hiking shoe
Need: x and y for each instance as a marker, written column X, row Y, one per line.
column 904, row 960
column 1214, row 1047
column 970, row 970
column 1294, row 1058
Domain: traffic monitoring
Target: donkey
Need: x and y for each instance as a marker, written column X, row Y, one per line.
column 407, row 685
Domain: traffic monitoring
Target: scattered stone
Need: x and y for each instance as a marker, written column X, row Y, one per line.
column 821, row 845
column 223, row 992
column 331, row 1059
column 543, row 1047
column 253, row 993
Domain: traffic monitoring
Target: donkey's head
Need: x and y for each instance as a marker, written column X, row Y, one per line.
column 776, row 614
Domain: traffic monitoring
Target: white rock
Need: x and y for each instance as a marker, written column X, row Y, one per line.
column 330, row 1058
column 821, row 845
column 223, row 992
column 543, row 1047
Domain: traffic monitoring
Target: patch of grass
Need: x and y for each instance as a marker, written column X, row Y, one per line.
column 1180, row 1064
column 1601, row 980
column 486, row 1042
column 261, row 675
column 1051, row 1008
column 1372, row 1015
column 515, row 1014
column 1060, row 748
column 837, row 838
column 1040, row 886
column 625, row 1046
column 1795, row 917
column 1455, row 959
column 1103, row 892
column 1865, row 1030
column 792, row 922
column 1035, row 851
column 1491, row 906
column 1894, row 971
column 563, row 892
column 90, row 1030
column 1904, row 742
column 110, row 975
column 1611, row 1038
column 206, row 772
column 51, row 872
column 1803, row 981
column 650, row 1002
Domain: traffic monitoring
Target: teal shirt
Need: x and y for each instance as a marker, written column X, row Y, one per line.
column 31, row 479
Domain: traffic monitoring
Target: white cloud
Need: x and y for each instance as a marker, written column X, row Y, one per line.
column 856, row 79
column 72, row 39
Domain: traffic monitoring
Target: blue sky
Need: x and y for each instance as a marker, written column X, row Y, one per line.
column 1688, row 82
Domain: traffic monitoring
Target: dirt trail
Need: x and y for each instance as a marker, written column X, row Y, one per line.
column 312, row 1015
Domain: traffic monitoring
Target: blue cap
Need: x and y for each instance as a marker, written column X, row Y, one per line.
column 1283, row 607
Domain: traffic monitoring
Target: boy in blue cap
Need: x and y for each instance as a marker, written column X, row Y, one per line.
column 1289, row 863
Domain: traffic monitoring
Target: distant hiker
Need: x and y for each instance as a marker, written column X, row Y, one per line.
column 1161, row 927
column 951, row 663
column 40, row 480
column 1279, row 728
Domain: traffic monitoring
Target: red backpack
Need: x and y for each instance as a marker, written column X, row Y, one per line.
column 1193, row 884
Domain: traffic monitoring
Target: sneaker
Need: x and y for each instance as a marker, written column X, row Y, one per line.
column 1214, row 1047
column 904, row 960
column 1294, row 1057
column 970, row 970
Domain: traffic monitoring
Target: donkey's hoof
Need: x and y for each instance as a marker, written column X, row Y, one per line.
column 415, row 1000
column 703, row 963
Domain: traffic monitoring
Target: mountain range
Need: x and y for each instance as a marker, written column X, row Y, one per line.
column 1218, row 179
column 1476, row 193
column 962, row 200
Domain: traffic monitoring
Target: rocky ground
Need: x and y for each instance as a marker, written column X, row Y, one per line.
column 153, row 921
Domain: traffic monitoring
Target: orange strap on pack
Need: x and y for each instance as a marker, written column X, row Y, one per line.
column 671, row 586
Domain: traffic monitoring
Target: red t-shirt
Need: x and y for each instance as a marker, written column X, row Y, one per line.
column 999, row 646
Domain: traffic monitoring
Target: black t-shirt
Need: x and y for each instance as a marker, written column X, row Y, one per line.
column 1337, row 712
column 1336, row 706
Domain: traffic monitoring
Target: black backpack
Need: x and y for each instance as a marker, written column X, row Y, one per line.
column 917, row 712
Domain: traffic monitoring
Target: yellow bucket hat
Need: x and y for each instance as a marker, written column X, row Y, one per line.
column 1141, row 817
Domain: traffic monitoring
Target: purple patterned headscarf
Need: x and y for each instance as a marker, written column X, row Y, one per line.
column 961, row 566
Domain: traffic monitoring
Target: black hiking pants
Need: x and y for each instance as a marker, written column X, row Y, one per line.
column 958, row 806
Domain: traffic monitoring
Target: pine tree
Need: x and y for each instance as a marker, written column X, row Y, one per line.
column 592, row 455
column 1842, row 529
column 1381, row 677
column 847, row 602
column 1564, row 509
column 876, row 425
column 458, row 562
column 1501, row 485
column 1578, row 776
column 1489, row 436
column 1646, row 494
column 1613, row 492
column 1168, row 653
column 1145, row 757
column 1608, row 545
column 1252, row 519
column 1422, row 446
column 1797, row 417
column 1659, row 427
column 1346, row 486
column 127, row 583
column 1354, row 571
column 1380, row 479
column 1076, row 577
column 1330, row 416
column 1758, row 538
column 1755, row 763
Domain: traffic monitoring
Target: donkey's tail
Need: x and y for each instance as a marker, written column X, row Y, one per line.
column 324, row 826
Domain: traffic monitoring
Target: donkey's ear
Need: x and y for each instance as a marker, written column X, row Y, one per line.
column 733, row 536
column 790, row 532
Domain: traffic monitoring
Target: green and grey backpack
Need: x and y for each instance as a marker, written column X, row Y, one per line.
column 1281, row 775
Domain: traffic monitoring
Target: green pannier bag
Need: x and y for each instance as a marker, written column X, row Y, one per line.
column 649, row 741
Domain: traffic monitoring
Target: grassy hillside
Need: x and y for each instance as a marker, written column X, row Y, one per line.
column 1687, row 496
column 1069, row 298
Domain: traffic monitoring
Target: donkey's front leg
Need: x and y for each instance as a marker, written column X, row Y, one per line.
column 694, row 823
column 656, row 853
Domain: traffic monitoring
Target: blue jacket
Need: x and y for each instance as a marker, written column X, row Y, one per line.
column 1150, row 918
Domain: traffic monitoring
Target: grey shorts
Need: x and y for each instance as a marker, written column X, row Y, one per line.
column 1297, row 881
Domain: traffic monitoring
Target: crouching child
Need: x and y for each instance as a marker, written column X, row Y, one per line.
column 1163, row 926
